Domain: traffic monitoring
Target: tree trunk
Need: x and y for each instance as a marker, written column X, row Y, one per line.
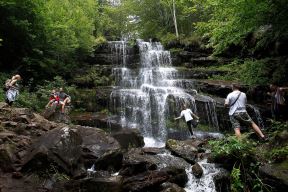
column 175, row 19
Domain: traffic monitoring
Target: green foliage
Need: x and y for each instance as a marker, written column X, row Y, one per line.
column 250, row 72
column 155, row 18
column 278, row 126
column 45, row 38
column 242, row 153
column 229, row 22
column 231, row 146
column 236, row 183
column 95, row 76
column 255, row 72
column 278, row 154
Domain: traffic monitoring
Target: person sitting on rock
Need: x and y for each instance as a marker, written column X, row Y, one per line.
column 188, row 115
column 54, row 98
column 12, row 89
column 64, row 99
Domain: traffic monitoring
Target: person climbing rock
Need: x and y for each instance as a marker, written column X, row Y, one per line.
column 236, row 101
column 188, row 115
column 12, row 89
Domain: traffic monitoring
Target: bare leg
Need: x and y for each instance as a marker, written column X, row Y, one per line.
column 257, row 130
column 237, row 132
column 67, row 100
column 49, row 103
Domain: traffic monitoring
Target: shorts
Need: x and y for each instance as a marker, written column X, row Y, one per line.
column 241, row 117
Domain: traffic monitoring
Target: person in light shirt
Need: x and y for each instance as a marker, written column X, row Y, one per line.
column 236, row 101
column 188, row 115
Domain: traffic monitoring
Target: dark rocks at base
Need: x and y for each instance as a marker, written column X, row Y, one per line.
column 197, row 170
column 275, row 175
column 72, row 148
column 281, row 138
column 53, row 113
column 6, row 162
column 100, row 120
column 101, row 184
column 146, row 181
column 135, row 162
column 176, row 175
column 152, row 180
column 171, row 187
column 129, row 138
column 222, row 181
column 182, row 149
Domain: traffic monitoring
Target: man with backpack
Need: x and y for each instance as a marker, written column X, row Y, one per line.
column 236, row 101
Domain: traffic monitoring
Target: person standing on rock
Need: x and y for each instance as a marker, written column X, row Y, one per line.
column 278, row 104
column 236, row 101
column 12, row 89
column 188, row 115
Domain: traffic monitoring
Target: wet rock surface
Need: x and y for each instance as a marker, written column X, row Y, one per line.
column 276, row 175
column 183, row 149
column 197, row 170
column 129, row 138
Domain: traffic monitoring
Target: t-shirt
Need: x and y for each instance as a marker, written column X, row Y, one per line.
column 239, row 106
column 63, row 96
column 187, row 114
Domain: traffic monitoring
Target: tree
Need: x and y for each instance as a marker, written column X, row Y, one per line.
column 175, row 19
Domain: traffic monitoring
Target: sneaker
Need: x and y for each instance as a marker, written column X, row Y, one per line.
column 264, row 139
column 193, row 137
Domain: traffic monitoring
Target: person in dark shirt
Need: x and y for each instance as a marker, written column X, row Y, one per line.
column 64, row 99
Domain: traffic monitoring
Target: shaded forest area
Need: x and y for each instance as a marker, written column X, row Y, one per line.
column 43, row 39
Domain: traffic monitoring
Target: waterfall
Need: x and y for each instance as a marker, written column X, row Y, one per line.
column 143, row 95
column 205, row 183
column 257, row 115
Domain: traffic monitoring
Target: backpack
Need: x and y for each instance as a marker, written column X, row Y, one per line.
column 7, row 85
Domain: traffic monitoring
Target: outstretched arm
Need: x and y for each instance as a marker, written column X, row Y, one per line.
column 177, row 118
column 194, row 115
column 283, row 88
column 181, row 115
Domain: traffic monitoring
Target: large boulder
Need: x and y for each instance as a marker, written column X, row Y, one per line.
column 183, row 149
column 171, row 187
column 147, row 181
column 54, row 113
column 222, row 181
column 101, row 184
column 100, row 148
column 129, row 138
column 73, row 148
column 275, row 175
column 6, row 158
column 197, row 170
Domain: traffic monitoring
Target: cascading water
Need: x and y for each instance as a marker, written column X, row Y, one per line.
column 141, row 99
column 147, row 95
